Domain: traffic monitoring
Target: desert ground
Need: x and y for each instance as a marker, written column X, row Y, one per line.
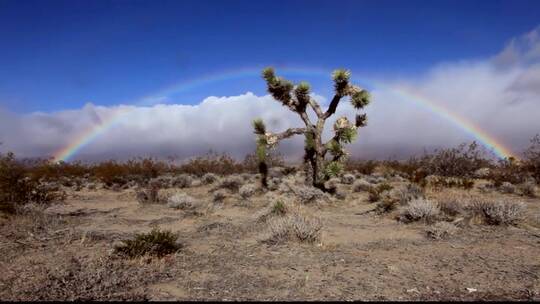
column 234, row 243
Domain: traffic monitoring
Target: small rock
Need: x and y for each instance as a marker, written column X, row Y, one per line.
column 413, row 290
column 472, row 289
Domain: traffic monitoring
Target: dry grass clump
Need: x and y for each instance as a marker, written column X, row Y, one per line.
column 441, row 230
column 440, row 182
column 247, row 191
column 232, row 183
column 274, row 183
column 155, row 242
column 219, row 196
column 308, row 194
column 182, row 201
column 209, row 178
column 294, row 226
column 182, row 181
column 150, row 194
column 507, row 187
column 278, row 208
column 450, row 206
column 361, row 185
column 375, row 193
column 389, row 200
column 75, row 279
column 499, row 212
column 528, row 188
column 348, row 179
column 419, row 209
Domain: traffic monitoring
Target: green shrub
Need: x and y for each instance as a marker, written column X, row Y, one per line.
column 155, row 242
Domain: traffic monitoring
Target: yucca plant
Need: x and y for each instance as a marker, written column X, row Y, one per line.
column 297, row 99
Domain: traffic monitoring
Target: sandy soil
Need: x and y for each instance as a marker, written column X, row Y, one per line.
column 361, row 256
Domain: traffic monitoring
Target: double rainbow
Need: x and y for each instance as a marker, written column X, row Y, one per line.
column 468, row 126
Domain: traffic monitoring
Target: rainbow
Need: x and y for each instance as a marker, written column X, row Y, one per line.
column 89, row 135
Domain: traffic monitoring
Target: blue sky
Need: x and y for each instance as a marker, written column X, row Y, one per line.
column 57, row 55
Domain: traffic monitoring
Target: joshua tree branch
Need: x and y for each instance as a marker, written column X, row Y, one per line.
column 290, row 132
column 315, row 106
column 333, row 106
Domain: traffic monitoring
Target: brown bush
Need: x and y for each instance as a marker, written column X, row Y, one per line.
column 18, row 186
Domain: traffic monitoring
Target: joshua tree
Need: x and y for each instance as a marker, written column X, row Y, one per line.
column 297, row 99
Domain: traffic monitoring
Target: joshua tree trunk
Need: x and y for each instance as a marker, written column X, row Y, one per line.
column 297, row 99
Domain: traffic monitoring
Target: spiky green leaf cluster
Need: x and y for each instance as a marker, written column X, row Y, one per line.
column 341, row 80
column 268, row 74
column 279, row 88
column 259, row 126
column 361, row 120
column 302, row 92
column 347, row 135
column 334, row 147
column 360, row 99
column 333, row 169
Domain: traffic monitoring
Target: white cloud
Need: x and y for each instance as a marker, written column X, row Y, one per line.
column 500, row 94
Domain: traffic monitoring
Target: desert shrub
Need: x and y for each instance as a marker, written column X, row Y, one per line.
column 308, row 194
column 274, row 183
column 384, row 187
column 209, row 178
column 450, row 206
column 149, row 194
column 482, row 173
column 441, row 230
column 219, row 196
column 507, row 170
column 532, row 158
column 461, row 161
column 331, row 184
column 246, row 176
column 295, row 226
column 419, row 209
column 439, row 182
column 231, row 183
column 348, row 179
column 375, row 193
column 499, row 212
column 221, row 164
column 528, row 188
column 155, row 242
column 182, row 181
column 340, row 194
column 407, row 194
column 363, row 167
column 18, row 186
column 361, row 185
column 386, row 204
column 80, row 279
column 247, row 191
column 182, row 201
column 278, row 208
column 507, row 187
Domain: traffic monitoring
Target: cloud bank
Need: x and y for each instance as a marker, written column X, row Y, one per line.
column 500, row 94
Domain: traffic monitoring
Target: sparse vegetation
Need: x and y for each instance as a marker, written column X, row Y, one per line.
column 182, row 201
column 499, row 212
column 294, row 226
column 246, row 191
column 441, row 230
column 419, row 209
column 156, row 242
